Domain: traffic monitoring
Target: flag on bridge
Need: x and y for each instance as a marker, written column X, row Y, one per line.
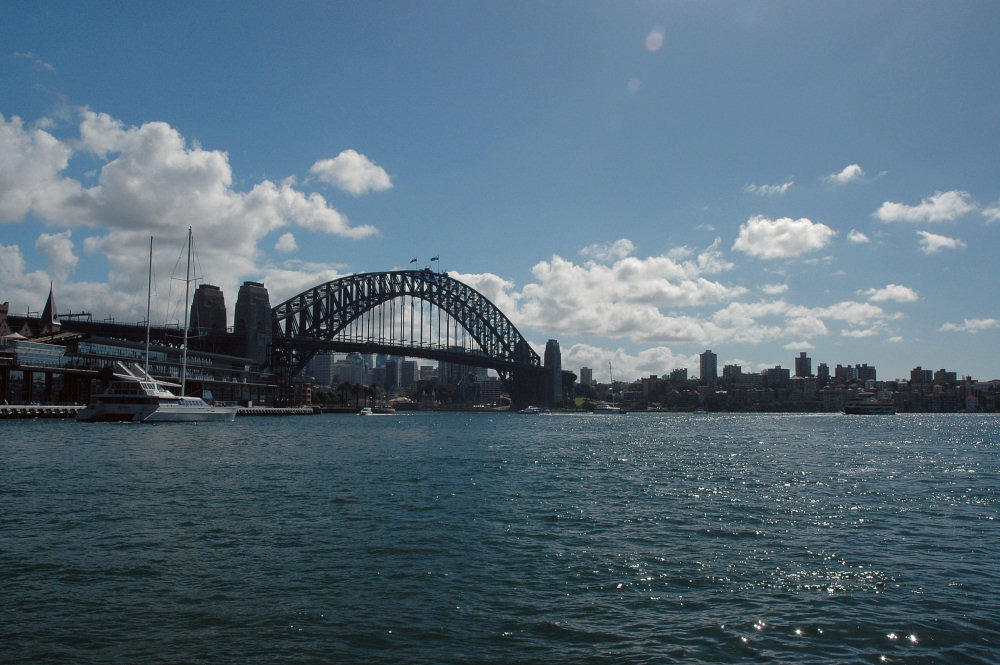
column 435, row 258
column 413, row 260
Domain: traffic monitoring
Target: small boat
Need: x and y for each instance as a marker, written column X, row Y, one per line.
column 135, row 396
column 870, row 407
column 605, row 408
column 530, row 410
column 366, row 411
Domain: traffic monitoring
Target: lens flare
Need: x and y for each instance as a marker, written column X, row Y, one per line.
column 654, row 40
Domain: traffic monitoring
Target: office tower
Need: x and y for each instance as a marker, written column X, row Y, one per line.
column 709, row 368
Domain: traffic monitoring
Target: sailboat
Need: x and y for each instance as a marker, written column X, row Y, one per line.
column 136, row 396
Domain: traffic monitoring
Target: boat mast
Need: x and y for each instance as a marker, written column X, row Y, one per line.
column 149, row 295
column 187, row 314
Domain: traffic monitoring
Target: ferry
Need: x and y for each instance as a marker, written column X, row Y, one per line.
column 531, row 410
column 604, row 407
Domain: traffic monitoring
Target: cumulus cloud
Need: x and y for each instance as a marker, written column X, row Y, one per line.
column 632, row 297
column 31, row 163
column 657, row 360
column 149, row 181
column 850, row 173
column 931, row 243
column 971, row 325
column 782, row 238
column 352, row 172
column 59, row 248
column 286, row 243
column 893, row 292
column 941, row 207
column 768, row 190
column 857, row 237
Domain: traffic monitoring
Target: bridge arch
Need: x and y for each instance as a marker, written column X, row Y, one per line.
column 332, row 316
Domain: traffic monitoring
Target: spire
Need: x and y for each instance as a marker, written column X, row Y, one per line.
column 50, row 319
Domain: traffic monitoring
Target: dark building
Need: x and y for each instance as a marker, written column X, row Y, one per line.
column 709, row 368
column 553, row 368
column 252, row 323
column 803, row 365
column 208, row 309
column 823, row 373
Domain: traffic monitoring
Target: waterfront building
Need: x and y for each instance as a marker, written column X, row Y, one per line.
column 709, row 366
column 586, row 376
column 920, row 376
column 731, row 374
column 777, row 377
column 943, row 377
column 803, row 365
column 823, row 373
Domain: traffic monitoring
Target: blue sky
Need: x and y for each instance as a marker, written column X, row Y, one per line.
column 639, row 180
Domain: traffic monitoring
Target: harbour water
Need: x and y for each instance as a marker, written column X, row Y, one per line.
column 473, row 538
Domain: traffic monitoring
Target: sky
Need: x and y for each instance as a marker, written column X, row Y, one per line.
column 641, row 181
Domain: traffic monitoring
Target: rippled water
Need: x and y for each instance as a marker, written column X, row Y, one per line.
column 502, row 539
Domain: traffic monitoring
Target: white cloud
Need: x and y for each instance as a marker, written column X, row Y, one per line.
column 896, row 339
column 286, row 243
column 774, row 289
column 782, row 238
column 59, row 248
column 971, row 325
column 992, row 213
column 37, row 63
column 857, row 237
column 931, row 243
column 798, row 346
column 625, row 299
column 619, row 249
column 149, row 181
column 352, row 172
column 860, row 333
column 850, row 173
column 768, row 190
column 941, row 207
column 657, row 360
column 31, row 161
column 893, row 292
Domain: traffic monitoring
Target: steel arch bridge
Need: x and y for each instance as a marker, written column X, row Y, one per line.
column 368, row 313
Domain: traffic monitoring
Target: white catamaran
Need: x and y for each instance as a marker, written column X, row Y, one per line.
column 135, row 396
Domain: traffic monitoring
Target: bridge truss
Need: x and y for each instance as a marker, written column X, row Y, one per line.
column 417, row 313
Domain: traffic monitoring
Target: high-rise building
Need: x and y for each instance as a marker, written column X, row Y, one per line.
column 709, row 368
column 321, row 367
column 208, row 309
column 919, row 375
column 803, row 365
column 586, row 376
column 822, row 373
column 553, row 369
column 731, row 374
column 679, row 375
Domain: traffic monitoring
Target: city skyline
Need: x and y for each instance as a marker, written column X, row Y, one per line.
column 640, row 181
